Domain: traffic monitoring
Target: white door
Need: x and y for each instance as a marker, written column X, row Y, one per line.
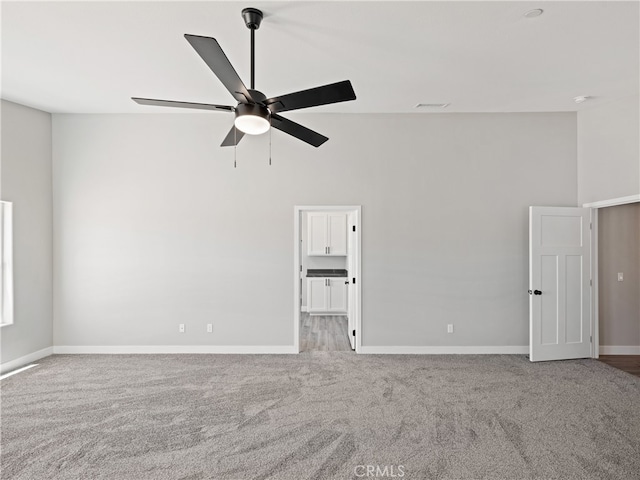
column 316, row 233
column 351, row 288
column 337, row 233
column 337, row 293
column 559, row 282
column 317, row 294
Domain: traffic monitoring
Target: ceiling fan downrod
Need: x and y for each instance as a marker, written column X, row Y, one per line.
column 252, row 18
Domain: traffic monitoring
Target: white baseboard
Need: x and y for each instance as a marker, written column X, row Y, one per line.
column 32, row 357
column 135, row 349
column 447, row 350
column 619, row 349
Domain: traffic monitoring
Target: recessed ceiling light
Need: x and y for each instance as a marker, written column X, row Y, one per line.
column 536, row 12
column 432, row 105
column 581, row 98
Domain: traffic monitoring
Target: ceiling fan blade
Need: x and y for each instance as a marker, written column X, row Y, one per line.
column 296, row 130
column 333, row 93
column 171, row 103
column 233, row 137
column 212, row 54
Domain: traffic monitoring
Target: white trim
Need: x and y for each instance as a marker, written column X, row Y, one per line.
column 144, row 349
column 620, row 350
column 595, row 300
column 297, row 210
column 32, row 357
column 13, row 372
column 447, row 350
column 613, row 201
column 328, row 314
column 6, row 283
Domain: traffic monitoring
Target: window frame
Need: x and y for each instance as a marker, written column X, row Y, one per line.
column 6, row 263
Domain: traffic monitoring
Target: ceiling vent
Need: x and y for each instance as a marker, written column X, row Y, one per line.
column 432, row 105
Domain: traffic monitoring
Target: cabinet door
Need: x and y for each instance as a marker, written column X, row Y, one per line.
column 337, row 233
column 337, row 294
column 317, row 294
column 316, row 233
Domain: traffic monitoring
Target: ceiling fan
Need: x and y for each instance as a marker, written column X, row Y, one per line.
column 255, row 113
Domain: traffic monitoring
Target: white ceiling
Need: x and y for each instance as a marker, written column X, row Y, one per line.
column 479, row 56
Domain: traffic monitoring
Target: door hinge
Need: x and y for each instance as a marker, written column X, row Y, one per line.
column 354, row 280
column 591, row 339
column 354, row 228
column 590, row 282
column 590, row 226
column 354, row 333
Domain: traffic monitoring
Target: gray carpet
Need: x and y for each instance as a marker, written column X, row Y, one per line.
column 319, row 415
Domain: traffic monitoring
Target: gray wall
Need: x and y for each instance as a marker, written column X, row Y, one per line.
column 26, row 181
column 619, row 251
column 155, row 227
column 609, row 150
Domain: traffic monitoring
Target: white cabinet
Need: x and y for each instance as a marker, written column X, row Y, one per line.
column 337, row 293
column 317, row 294
column 337, row 233
column 327, row 295
column 327, row 233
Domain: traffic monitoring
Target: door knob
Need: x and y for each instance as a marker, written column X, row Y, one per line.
column 535, row 292
column 347, row 282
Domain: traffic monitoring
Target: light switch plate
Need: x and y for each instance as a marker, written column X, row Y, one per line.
column 620, row 276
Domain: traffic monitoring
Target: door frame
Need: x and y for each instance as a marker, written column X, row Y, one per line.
column 595, row 297
column 297, row 238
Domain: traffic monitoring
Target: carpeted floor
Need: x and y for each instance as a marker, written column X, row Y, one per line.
column 319, row 415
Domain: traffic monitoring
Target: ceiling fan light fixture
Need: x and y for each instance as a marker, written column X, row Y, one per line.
column 252, row 119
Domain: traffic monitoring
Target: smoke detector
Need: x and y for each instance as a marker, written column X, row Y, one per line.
column 536, row 12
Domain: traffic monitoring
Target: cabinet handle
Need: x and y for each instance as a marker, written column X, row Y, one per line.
column 329, row 250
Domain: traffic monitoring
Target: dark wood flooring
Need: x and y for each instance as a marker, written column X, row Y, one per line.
column 628, row 363
column 324, row 333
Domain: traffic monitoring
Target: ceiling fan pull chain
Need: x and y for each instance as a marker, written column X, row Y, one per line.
column 235, row 147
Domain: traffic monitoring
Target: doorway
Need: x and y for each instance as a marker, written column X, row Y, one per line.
column 327, row 268
column 619, row 281
column 597, row 207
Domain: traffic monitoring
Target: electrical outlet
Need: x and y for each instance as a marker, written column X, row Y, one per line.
column 181, row 328
column 620, row 276
column 209, row 327
column 450, row 328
